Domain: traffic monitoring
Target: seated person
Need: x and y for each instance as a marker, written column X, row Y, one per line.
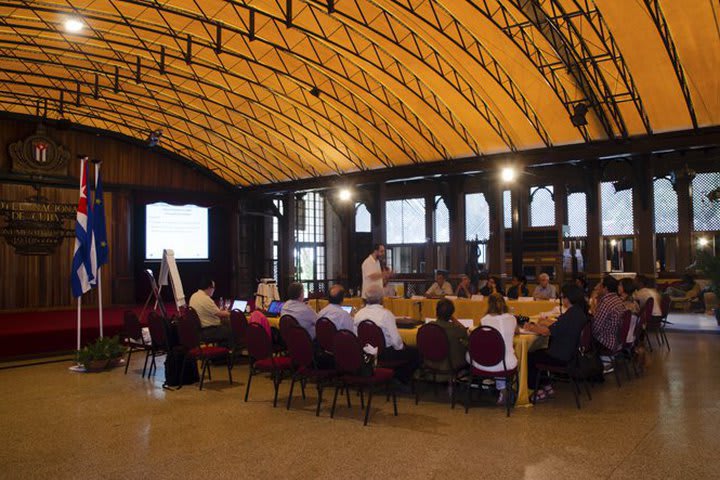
column 645, row 291
column 492, row 286
column 441, row 287
column 564, row 338
column 395, row 349
column 464, row 288
column 581, row 282
column 518, row 288
column 687, row 288
column 296, row 306
column 498, row 318
column 457, row 338
column 214, row 322
column 483, row 280
column 388, row 290
column 626, row 288
column 333, row 312
column 544, row 291
column 608, row 316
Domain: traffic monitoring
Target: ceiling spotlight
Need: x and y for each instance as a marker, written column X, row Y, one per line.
column 703, row 242
column 507, row 174
column 73, row 25
column 344, row 194
column 315, row 91
column 613, row 242
column 578, row 117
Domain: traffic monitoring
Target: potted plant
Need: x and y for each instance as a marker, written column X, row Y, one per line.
column 709, row 266
column 98, row 355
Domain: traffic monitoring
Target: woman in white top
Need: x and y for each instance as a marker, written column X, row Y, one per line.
column 505, row 323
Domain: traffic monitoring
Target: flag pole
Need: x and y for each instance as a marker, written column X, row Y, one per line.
column 79, row 326
column 99, row 277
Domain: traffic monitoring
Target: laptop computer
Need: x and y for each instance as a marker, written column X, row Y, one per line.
column 347, row 308
column 275, row 308
column 239, row 305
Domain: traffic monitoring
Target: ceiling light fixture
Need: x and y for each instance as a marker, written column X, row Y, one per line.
column 703, row 242
column 507, row 174
column 345, row 194
column 73, row 25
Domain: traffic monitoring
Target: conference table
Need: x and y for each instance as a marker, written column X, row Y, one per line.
column 422, row 309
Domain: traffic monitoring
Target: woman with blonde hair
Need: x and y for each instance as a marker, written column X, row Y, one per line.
column 498, row 318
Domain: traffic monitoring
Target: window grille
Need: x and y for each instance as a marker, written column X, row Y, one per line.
column 706, row 212
column 507, row 208
column 577, row 215
column 405, row 221
column 666, row 206
column 362, row 218
column 542, row 206
column 441, row 221
column 617, row 210
column 310, row 237
column 477, row 217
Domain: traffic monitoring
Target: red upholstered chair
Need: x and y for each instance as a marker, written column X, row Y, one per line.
column 191, row 313
column 325, row 331
column 189, row 337
column 158, row 337
column 134, row 339
column 369, row 333
column 348, row 363
column 301, row 350
column 585, row 344
column 260, row 349
column 433, row 345
column 487, row 348
column 238, row 328
column 286, row 323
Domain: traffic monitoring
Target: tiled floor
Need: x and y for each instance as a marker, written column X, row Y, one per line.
column 56, row 424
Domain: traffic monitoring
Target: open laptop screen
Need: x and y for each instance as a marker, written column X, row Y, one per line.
column 239, row 305
column 275, row 308
column 347, row 308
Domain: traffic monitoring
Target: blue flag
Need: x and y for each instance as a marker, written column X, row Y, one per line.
column 82, row 272
column 98, row 224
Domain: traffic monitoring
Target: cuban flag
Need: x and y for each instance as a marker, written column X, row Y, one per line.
column 82, row 272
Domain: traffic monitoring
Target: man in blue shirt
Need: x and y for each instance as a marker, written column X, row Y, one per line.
column 296, row 307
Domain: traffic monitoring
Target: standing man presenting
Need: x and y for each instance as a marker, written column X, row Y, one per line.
column 372, row 273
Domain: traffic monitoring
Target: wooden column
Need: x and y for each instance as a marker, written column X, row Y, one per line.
column 560, row 198
column 456, row 208
column 595, row 261
column 378, row 214
column 519, row 196
column 122, row 247
column 683, row 187
column 287, row 243
column 644, row 217
column 496, row 243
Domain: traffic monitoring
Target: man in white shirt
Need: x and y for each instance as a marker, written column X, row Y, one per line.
column 645, row 291
column 211, row 317
column 544, row 291
column 372, row 272
column 296, row 307
column 395, row 349
column 441, row 287
column 333, row 311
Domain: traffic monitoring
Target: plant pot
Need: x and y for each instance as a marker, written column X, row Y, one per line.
column 97, row 365
column 117, row 362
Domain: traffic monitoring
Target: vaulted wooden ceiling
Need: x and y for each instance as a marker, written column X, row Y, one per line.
column 272, row 91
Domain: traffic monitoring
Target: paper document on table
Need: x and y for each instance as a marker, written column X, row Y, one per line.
column 476, row 298
column 428, row 319
column 417, row 297
column 526, row 332
column 466, row 322
column 525, row 299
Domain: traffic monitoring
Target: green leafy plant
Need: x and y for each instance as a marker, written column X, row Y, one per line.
column 102, row 349
column 709, row 266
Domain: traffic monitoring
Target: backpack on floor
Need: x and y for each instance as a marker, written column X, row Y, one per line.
column 173, row 366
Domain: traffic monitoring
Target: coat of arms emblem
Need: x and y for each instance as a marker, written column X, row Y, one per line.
column 39, row 154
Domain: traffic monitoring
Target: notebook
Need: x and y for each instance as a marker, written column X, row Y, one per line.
column 239, row 305
column 275, row 308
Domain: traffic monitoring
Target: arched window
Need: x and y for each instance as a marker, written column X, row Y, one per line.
column 362, row 218
column 441, row 221
column 577, row 215
column 617, row 210
column 542, row 206
column 405, row 221
column 706, row 212
column 666, row 206
column 477, row 217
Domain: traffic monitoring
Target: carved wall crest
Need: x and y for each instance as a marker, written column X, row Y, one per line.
column 39, row 154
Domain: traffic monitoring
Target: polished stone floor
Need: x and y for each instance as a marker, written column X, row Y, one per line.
column 57, row 424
